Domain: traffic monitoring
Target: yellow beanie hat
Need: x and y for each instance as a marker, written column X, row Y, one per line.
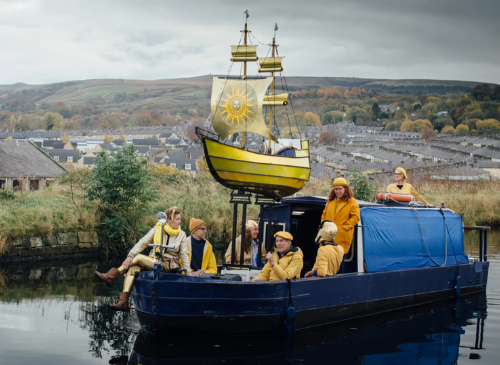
column 340, row 182
column 195, row 224
column 401, row 170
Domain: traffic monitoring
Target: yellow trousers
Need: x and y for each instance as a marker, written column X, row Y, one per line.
column 139, row 263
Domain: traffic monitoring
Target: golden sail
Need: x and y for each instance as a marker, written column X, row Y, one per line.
column 237, row 106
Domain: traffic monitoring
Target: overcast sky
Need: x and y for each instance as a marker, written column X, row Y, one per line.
column 44, row 41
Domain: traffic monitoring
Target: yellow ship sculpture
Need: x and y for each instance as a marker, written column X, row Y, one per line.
column 237, row 107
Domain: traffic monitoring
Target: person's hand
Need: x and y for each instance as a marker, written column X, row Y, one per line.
column 198, row 273
column 269, row 258
column 308, row 274
column 128, row 261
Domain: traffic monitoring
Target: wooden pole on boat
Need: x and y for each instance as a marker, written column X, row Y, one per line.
column 244, row 78
column 271, row 108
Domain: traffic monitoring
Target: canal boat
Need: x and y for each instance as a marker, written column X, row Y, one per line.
column 402, row 255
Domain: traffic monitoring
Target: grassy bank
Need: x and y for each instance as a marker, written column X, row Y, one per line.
column 57, row 209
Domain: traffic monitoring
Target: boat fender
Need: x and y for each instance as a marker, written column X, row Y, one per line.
column 458, row 284
column 290, row 311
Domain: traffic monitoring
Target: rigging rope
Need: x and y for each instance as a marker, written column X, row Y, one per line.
column 445, row 240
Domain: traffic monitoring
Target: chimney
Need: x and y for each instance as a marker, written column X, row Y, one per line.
column 188, row 154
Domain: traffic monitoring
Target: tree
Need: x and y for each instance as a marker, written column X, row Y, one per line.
column 312, row 119
column 357, row 115
column 488, row 124
column 376, row 110
column 448, row 129
column 428, row 134
column 191, row 132
column 108, row 138
column 392, row 126
column 333, row 116
column 326, row 138
column 121, row 135
column 122, row 186
column 9, row 138
column 462, row 129
column 12, row 125
column 65, row 138
column 53, row 121
column 362, row 187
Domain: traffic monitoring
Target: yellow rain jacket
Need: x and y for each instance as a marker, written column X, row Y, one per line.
column 287, row 267
column 406, row 189
column 208, row 263
column 345, row 215
column 328, row 260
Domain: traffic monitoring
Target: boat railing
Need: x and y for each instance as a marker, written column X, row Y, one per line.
column 483, row 240
column 203, row 133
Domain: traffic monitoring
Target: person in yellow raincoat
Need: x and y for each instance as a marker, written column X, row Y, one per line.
column 285, row 262
column 342, row 209
column 402, row 187
column 135, row 261
column 201, row 255
column 330, row 255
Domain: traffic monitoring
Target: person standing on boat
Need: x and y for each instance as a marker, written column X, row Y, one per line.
column 330, row 255
column 285, row 262
column 201, row 254
column 251, row 248
column 136, row 262
column 402, row 187
column 343, row 210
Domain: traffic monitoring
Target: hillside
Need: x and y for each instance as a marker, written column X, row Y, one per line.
column 196, row 90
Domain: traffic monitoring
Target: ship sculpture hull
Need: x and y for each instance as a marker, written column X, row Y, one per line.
column 268, row 175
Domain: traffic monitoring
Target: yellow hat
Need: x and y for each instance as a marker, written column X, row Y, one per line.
column 328, row 232
column 340, row 182
column 284, row 234
column 401, row 170
column 195, row 224
column 249, row 225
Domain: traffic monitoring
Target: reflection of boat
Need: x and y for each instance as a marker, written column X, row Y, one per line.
column 400, row 256
column 237, row 107
column 429, row 333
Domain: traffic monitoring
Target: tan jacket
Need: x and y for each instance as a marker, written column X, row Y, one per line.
column 179, row 242
column 406, row 189
column 345, row 215
column 287, row 267
column 248, row 255
column 328, row 260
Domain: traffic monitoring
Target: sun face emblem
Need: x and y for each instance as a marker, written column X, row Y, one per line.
column 238, row 104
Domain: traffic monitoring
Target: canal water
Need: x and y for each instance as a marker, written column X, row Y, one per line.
column 55, row 313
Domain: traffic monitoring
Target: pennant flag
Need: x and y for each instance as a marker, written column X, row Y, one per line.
column 246, row 12
column 276, row 27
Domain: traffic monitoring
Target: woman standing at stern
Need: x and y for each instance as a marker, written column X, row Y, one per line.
column 343, row 210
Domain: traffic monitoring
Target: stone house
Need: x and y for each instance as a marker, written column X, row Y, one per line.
column 23, row 165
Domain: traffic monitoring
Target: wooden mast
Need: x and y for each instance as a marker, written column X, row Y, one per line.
column 244, row 78
column 271, row 108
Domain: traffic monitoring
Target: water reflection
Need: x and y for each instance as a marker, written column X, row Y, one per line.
column 62, row 312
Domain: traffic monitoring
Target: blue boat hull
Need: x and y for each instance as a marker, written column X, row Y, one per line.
column 168, row 301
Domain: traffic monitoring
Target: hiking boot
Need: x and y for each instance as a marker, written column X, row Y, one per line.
column 122, row 304
column 109, row 277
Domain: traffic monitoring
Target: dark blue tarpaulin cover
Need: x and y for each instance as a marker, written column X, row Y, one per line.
column 392, row 238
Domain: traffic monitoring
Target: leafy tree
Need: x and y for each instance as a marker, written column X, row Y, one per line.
column 333, row 116
column 12, row 125
column 312, row 119
column 440, row 123
column 122, row 187
column 481, row 92
column 428, row 134
column 53, row 121
column 376, row 110
column 462, row 129
column 488, row 124
column 357, row 115
column 392, row 126
column 326, row 138
column 65, row 138
column 108, row 138
column 448, row 129
column 9, row 138
column 363, row 188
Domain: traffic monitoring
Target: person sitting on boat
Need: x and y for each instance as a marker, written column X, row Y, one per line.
column 285, row 262
column 201, row 254
column 251, row 248
column 402, row 187
column 343, row 210
column 330, row 254
column 136, row 262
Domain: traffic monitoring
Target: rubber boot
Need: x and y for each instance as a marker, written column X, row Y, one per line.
column 122, row 304
column 109, row 277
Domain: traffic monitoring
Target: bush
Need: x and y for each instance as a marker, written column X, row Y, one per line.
column 7, row 194
column 362, row 187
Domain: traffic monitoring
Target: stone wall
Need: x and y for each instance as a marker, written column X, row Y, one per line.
column 59, row 246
